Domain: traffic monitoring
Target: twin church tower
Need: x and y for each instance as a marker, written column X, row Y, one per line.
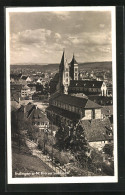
column 67, row 72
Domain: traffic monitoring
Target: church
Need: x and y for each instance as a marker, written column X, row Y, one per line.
column 68, row 107
column 67, row 80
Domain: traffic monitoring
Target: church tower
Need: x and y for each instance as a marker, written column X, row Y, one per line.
column 73, row 69
column 63, row 75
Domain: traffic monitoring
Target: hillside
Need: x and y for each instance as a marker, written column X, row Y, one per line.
column 55, row 67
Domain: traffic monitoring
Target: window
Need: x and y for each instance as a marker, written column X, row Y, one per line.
column 66, row 70
column 76, row 69
column 67, row 74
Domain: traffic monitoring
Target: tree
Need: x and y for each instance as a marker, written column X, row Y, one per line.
column 62, row 138
column 108, row 149
column 79, row 145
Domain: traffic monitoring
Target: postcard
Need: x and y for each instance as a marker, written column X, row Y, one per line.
column 61, row 95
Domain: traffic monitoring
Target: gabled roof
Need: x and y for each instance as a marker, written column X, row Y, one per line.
column 86, row 84
column 91, row 104
column 25, row 87
column 76, row 101
column 37, row 114
column 97, row 130
column 15, row 97
column 24, row 77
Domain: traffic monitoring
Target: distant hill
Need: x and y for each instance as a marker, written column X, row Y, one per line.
column 55, row 67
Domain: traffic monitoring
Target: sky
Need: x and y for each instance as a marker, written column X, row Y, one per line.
column 40, row 37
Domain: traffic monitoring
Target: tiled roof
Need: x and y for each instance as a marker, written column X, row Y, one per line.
column 32, row 112
column 97, row 130
column 25, row 87
column 37, row 114
column 15, row 97
column 101, row 99
column 76, row 101
column 31, row 85
column 54, row 95
column 64, row 113
column 108, row 110
column 91, row 104
column 86, row 84
column 16, row 87
column 24, row 77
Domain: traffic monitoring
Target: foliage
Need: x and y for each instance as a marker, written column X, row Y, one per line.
column 62, row 139
column 74, row 140
column 108, row 149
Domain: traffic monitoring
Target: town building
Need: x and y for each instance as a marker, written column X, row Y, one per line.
column 34, row 115
column 88, row 87
column 70, row 110
column 67, row 80
column 25, row 92
column 68, row 107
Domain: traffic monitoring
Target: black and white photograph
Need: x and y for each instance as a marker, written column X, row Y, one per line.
column 61, row 95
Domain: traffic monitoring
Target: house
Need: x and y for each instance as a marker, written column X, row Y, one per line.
column 101, row 100
column 88, row 87
column 98, row 132
column 26, row 78
column 69, row 109
column 25, row 91
column 32, row 88
column 32, row 113
column 15, row 77
column 15, row 100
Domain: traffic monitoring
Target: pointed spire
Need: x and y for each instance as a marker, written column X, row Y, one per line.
column 73, row 61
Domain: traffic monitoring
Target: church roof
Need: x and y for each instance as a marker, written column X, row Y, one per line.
column 76, row 101
column 73, row 61
column 61, row 66
column 86, row 84
column 64, row 113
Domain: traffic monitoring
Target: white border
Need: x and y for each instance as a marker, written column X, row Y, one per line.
column 47, row 180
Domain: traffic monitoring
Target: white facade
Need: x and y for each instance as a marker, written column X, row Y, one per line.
column 66, row 80
column 104, row 89
column 98, row 144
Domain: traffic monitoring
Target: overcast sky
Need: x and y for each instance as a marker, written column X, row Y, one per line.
column 39, row 37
